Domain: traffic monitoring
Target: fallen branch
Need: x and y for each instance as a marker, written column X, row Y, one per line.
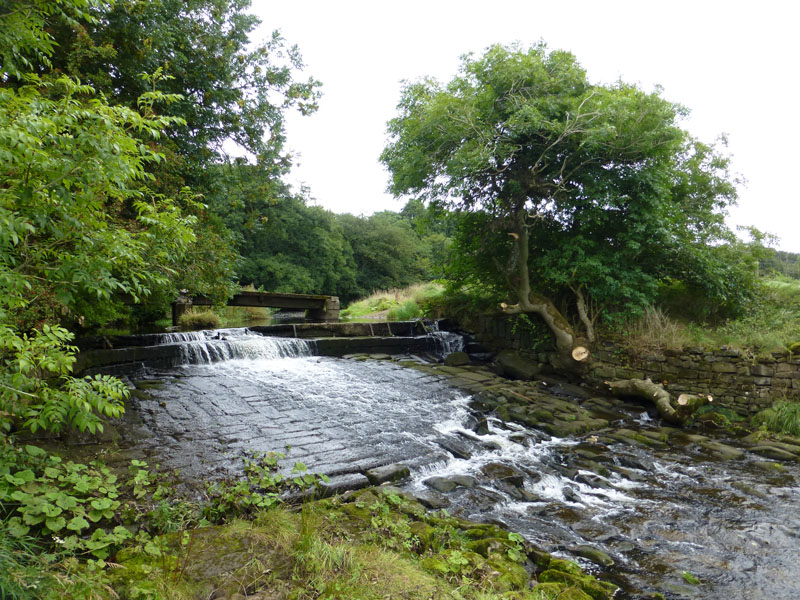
column 675, row 412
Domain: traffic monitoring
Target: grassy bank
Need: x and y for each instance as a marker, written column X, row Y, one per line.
column 84, row 532
column 400, row 304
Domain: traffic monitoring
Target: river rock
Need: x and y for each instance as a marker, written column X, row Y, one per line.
column 772, row 452
column 441, row 484
column 380, row 475
column 501, row 472
column 481, row 427
column 515, row 365
column 592, row 480
column 464, row 481
column 593, row 554
column 432, row 501
column 455, row 448
column 343, row 483
column 723, row 450
column 456, row 359
column 570, row 494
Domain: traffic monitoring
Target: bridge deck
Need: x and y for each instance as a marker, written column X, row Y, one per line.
column 319, row 307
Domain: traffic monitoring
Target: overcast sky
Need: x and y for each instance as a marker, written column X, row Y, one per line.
column 733, row 64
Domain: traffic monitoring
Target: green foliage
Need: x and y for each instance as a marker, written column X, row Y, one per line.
column 386, row 251
column 689, row 578
column 782, row 417
column 199, row 320
column 70, row 506
column 781, row 263
column 230, row 88
column 36, row 386
column 260, row 488
column 24, row 42
column 412, row 302
column 573, row 186
column 289, row 246
column 406, row 312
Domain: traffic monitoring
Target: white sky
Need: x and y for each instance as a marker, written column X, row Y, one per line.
column 732, row 63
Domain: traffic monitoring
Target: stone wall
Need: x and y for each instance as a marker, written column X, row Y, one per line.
column 736, row 379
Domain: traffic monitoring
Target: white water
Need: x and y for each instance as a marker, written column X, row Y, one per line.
column 206, row 347
column 447, row 342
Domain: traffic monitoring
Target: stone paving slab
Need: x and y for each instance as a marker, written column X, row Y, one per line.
column 337, row 416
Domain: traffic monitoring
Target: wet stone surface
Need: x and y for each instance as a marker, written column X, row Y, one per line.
column 335, row 416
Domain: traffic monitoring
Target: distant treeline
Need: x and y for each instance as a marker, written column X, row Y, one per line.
column 783, row 263
column 287, row 244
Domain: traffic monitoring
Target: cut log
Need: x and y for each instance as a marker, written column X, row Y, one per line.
column 675, row 412
column 580, row 353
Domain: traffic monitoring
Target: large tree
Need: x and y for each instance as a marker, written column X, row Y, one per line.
column 588, row 177
column 231, row 89
column 78, row 222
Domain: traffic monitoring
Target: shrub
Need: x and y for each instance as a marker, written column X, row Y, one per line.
column 199, row 320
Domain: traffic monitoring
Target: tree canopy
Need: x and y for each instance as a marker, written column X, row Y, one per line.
column 590, row 188
column 230, row 89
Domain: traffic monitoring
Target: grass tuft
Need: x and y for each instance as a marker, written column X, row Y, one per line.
column 654, row 331
column 782, row 417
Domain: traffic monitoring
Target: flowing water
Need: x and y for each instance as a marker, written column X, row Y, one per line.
column 656, row 511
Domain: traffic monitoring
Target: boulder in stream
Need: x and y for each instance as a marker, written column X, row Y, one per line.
column 593, row 554
column 380, row 475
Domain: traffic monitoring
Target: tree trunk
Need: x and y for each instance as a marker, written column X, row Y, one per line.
column 675, row 412
column 568, row 346
column 583, row 314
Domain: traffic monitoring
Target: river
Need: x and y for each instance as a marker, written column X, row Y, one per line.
column 659, row 508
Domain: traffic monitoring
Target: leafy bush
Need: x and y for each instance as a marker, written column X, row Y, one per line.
column 199, row 320
column 421, row 294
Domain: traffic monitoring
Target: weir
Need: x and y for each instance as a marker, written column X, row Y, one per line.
column 655, row 501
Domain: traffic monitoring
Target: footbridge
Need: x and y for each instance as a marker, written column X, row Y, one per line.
column 319, row 307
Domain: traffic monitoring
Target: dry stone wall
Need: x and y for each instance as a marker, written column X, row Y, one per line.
column 736, row 379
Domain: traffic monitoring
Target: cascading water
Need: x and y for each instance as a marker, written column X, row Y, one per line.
column 656, row 510
column 446, row 342
column 205, row 347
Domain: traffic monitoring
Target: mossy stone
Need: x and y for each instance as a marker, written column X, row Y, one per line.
column 513, row 576
column 565, row 566
column 556, row 591
column 598, row 590
column 424, row 532
column 487, row 546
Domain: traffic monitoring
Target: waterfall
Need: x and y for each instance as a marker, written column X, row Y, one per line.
column 446, row 342
column 205, row 347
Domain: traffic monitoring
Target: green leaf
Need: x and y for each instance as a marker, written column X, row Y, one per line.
column 77, row 523
column 55, row 524
column 16, row 528
column 34, row 450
